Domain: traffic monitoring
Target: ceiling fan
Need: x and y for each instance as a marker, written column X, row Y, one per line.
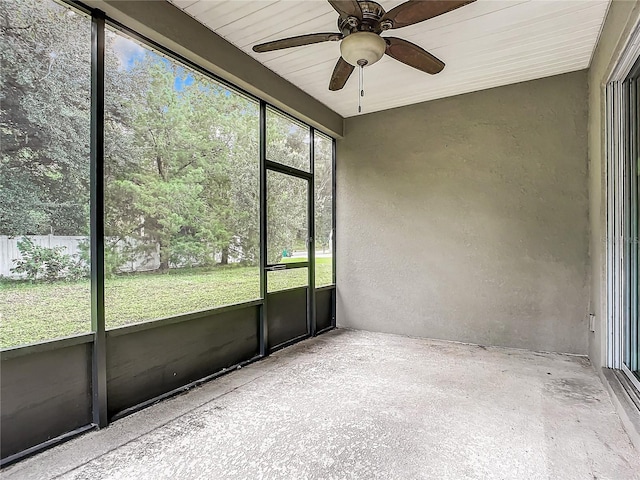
column 360, row 23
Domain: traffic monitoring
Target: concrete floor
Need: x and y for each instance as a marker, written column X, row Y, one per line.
column 363, row 405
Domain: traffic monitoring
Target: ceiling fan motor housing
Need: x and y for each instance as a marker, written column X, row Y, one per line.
column 368, row 21
column 362, row 48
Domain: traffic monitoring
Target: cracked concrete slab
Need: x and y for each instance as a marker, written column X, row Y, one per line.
column 353, row 404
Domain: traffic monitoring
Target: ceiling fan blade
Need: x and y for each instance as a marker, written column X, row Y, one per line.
column 297, row 41
column 415, row 11
column 412, row 55
column 341, row 74
column 347, row 8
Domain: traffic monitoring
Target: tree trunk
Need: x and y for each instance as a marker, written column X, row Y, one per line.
column 164, row 257
column 224, row 259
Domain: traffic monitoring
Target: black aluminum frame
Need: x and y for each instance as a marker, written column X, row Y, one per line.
column 273, row 166
column 99, row 369
column 311, row 245
column 98, row 336
column 264, row 321
column 334, row 191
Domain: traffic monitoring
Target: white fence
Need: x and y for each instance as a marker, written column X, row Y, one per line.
column 140, row 263
column 9, row 249
column 9, row 252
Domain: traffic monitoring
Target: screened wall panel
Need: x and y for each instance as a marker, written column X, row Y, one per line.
column 323, row 203
column 44, row 395
column 144, row 364
column 325, row 299
column 287, row 220
column 45, row 91
column 286, row 279
column 181, row 188
column 288, row 141
column 287, row 314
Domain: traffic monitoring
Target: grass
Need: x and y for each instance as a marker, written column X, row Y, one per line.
column 35, row 312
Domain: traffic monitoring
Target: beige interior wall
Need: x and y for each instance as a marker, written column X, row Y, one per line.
column 466, row 218
column 622, row 16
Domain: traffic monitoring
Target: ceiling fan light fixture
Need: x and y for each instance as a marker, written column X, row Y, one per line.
column 362, row 48
column 360, row 23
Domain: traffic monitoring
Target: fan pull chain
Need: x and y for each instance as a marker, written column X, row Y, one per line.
column 361, row 84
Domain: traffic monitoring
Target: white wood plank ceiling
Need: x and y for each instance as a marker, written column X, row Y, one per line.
column 486, row 44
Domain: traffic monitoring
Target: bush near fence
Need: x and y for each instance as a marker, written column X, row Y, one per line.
column 140, row 262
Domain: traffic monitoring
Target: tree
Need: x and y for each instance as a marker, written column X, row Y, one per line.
column 181, row 150
column 192, row 186
column 44, row 118
column 323, row 174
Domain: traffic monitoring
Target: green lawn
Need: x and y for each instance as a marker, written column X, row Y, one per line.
column 35, row 312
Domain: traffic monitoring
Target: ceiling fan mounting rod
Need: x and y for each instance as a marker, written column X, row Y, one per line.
column 367, row 21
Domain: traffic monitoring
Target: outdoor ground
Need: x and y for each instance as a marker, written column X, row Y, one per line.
column 36, row 312
column 366, row 405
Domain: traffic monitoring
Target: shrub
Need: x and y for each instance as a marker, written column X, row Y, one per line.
column 50, row 264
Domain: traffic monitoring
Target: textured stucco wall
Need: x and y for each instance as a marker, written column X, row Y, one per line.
column 622, row 15
column 466, row 218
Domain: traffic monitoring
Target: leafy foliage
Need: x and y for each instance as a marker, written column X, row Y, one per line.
column 181, row 151
column 44, row 118
column 49, row 264
column 323, row 177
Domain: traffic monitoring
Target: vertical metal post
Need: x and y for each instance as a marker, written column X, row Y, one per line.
column 631, row 204
column 333, row 227
column 635, row 166
column 625, row 230
column 99, row 366
column 264, row 328
column 311, row 291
